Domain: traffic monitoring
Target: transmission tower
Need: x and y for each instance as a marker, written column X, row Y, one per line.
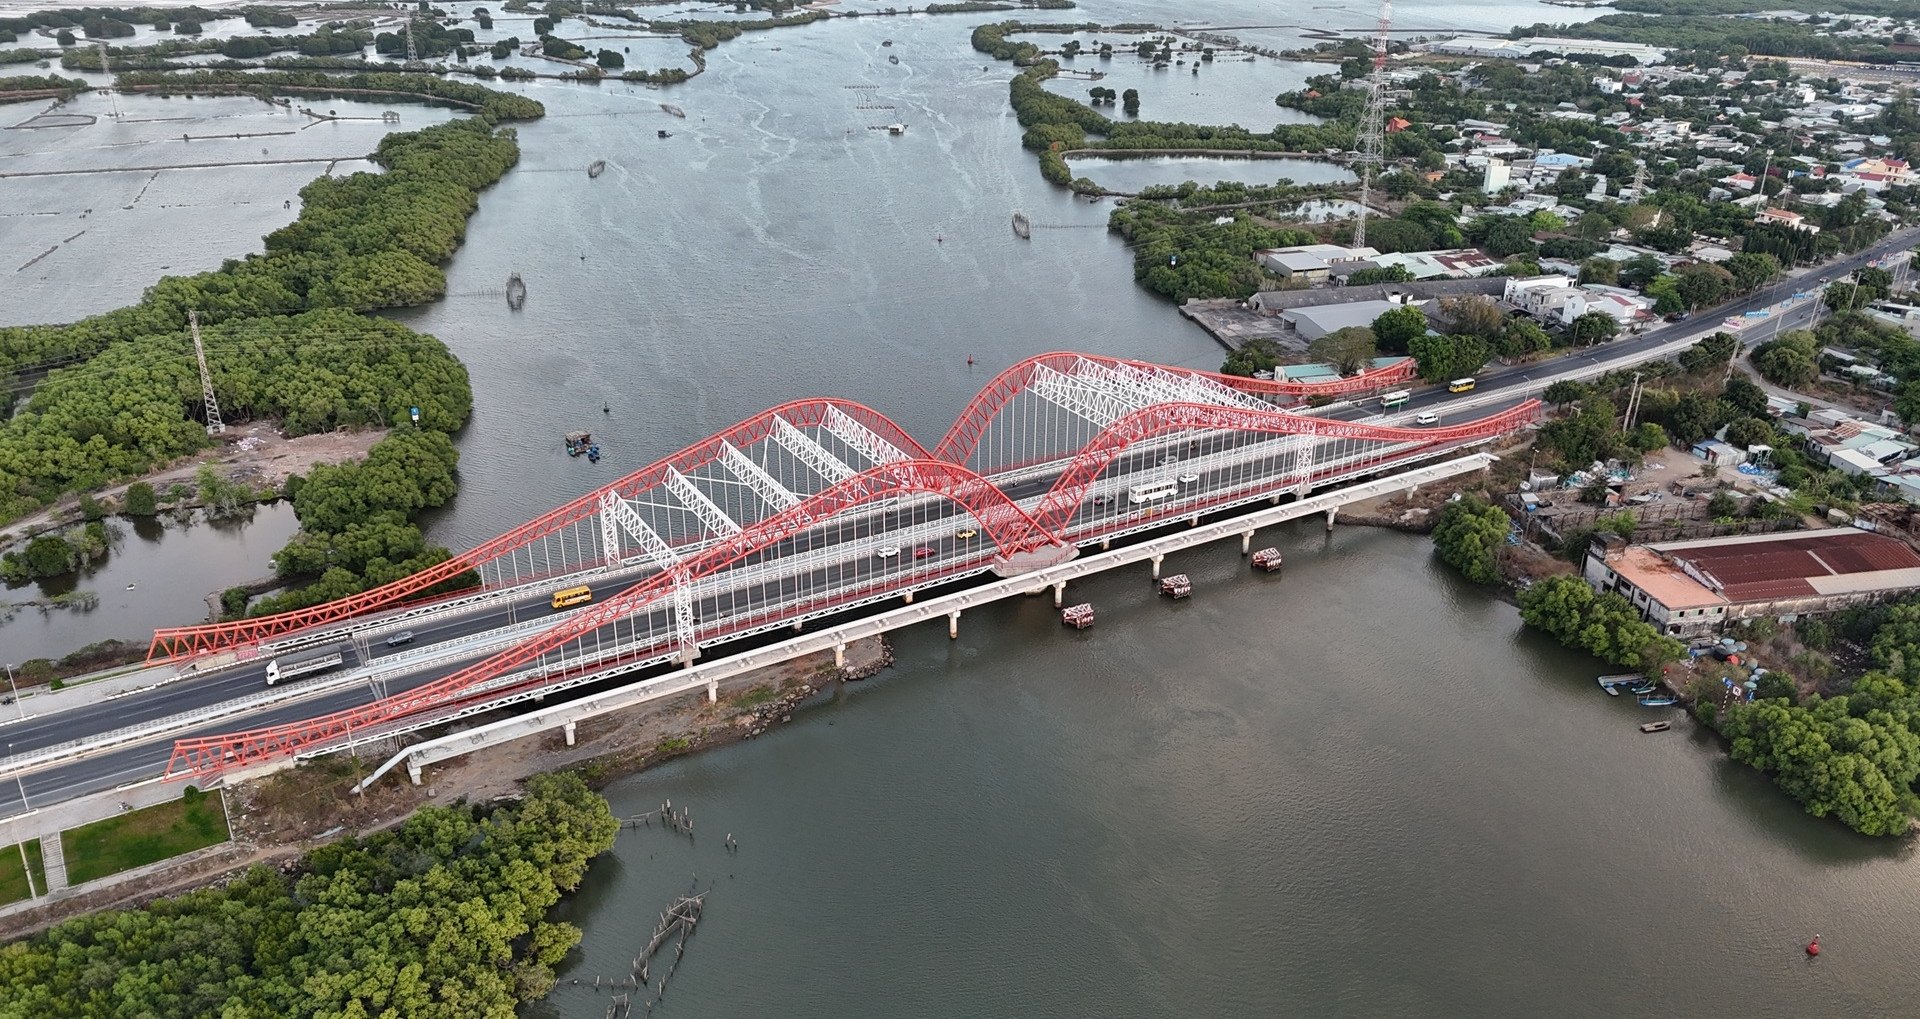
column 108, row 71
column 1372, row 123
column 214, row 425
column 413, row 57
column 1640, row 174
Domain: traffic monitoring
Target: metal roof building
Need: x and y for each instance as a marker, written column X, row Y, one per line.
column 1694, row 587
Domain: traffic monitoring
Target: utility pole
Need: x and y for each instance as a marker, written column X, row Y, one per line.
column 214, row 425
column 1633, row 404
column 1641, row 177
column 1372, row 123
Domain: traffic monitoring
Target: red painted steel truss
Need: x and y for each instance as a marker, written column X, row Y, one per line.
column 1006, row 524
column 186, row 641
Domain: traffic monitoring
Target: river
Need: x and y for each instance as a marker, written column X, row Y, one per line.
column 1359, row 787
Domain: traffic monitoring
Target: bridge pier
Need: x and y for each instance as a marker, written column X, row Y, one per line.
column 414, row 770
column 908, row 598
column 1334, row 512
column 1059, row 594
column 796, row 625
column 713, row 691
column 953, row 626
column 839, row 656
column 1157, row 560
column 1193, row 521
column 1106, row 543
column 1246, row 543
column 568, row 729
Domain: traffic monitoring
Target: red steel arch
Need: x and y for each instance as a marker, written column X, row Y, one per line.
column 1009, row 527
column 1057, row 507
column 961, row 440
column 174, row 643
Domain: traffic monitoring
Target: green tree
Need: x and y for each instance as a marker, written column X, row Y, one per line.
column 1348, row 350
column 1130, row 102
column 1703, row 284
column 1648, row 437
column 1752, row 270
column 1448, row 357
column 1472, row 316
column 1469, row 536
column 1604, row 271
column 1594, row 327
column 610, row 60
column 140, row 500
column 1395, row 329
column 1710, row 354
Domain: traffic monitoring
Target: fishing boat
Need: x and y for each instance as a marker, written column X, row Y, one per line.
column 1658, row 700
column 516, row 291
column 1022, row 226
column 1645, row 688
column 891, row 59
column 1611, row 683
column 580, row 443
column 1660, row 726
column 675, row 110
column 664, row 133
column 596, row 168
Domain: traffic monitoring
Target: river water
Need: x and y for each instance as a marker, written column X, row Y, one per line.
column 1359, row 787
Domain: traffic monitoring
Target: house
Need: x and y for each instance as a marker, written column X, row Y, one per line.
column 1742, row 181
column 1697, row 587
column 1312, row 323
column 1786, row 218
column 1497, row 176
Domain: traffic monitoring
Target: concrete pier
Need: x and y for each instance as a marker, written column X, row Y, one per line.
column 839, row 656
column 1331, row 514
column 1157, row 560
column 568, row 729
column 953, row 626
column 1059, row 594
column 1246, row 543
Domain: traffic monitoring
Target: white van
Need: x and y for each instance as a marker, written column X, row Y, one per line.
column 1428, row 418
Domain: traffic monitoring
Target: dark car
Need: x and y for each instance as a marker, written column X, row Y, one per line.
column 1679, row 316
column 401, row 639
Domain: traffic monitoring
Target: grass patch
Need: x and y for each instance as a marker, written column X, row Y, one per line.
column 13, row 878
column 144, row 836
column 755, row 697
column 675, row 745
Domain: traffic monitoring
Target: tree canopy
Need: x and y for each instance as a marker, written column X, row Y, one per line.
column 1468, row 538
column 445, row 916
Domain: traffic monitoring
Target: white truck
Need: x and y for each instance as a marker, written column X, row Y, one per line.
column 306, row 663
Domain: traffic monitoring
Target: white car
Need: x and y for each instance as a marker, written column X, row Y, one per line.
column 889, row 552
column 1429, row 418
column 1189, row 479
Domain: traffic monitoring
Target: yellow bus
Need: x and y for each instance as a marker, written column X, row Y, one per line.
column 572, row 596
column 1459, row 385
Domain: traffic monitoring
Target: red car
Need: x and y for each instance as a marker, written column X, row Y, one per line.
column 923, row 552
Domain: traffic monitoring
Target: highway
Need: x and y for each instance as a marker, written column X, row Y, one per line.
column 839, row 556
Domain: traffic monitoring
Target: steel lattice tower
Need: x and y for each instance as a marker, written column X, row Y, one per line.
column 214, row 425
column 412, row 56
column 1372, row 123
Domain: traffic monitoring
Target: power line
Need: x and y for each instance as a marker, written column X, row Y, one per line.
column 1372, row 123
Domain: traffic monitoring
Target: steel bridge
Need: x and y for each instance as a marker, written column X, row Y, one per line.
column 817, row 507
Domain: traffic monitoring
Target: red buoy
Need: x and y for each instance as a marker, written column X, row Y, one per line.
column 1813, row 947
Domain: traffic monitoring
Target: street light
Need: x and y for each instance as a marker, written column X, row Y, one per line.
column 16, row 691
column 25, row 868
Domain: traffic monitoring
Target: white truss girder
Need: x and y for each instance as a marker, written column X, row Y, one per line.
column 615, row 516
column 695, row 501
column 811, row 453
column 1100, row 404
column 740, row 466
column 861, row 438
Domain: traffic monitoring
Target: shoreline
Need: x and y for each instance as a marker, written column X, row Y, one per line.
column 280, row 817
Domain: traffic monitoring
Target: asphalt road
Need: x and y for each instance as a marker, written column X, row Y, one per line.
column 1231, row 463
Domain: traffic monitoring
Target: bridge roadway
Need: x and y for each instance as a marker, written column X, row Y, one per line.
column 476, row 632
column 1496, row 390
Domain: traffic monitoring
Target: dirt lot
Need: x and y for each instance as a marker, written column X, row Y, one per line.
column 256, row 454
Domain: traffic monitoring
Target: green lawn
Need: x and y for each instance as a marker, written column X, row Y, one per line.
column 143, row 836
column 13, row 880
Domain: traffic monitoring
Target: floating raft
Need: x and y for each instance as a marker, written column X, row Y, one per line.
column 1176, row 586
column 1077, row 616
column 1267, row 559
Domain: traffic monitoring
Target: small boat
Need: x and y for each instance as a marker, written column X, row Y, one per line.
column 516, row 291
column 579, row 443
column 891, row 59
column 896, row 129
column 674, row 110
column 596, row 168
column 1658, row 700
column 1022, row 226
column 1623, row 679
column 1612, row 691
column 1661, row 726
column 1645, row 688
column 886, row 42
column 664, row 133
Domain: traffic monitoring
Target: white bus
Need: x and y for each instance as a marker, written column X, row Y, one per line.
column 1397, row 398
column 1153, row 491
